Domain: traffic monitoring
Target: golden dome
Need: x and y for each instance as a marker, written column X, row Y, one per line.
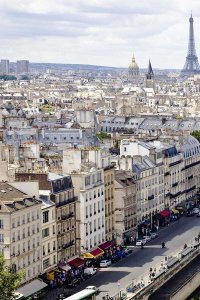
column 133, row 64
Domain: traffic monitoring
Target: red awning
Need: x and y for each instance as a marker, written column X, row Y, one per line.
column 76, row 262
column 96, row 252
column 165, row 213
column 106, row 245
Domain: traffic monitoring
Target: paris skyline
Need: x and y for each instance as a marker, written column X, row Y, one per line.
column 98, row 32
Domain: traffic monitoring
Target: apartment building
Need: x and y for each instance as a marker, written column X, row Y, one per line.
column 146, row 161
column 190, row 148
column 20, row 230
column 84, row 167
column 125, row 206
column 59, row 189
column 49, row 236
column 109, row 175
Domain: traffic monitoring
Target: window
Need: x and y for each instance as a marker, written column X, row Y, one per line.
column 45, row 216
column 45, row 232
column 45, row 263
column 87, row 180
column 54, row 259
column 54, row 230
column 1, row 223
column 124, row 149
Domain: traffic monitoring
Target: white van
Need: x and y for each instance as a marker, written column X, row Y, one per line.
column 90, row 271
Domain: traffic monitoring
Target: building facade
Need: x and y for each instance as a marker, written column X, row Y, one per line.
column 49, row 236
column 85, row 168
column 125, row 205
column 20, row 230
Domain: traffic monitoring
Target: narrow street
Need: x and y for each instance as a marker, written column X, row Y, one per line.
column 136, row 265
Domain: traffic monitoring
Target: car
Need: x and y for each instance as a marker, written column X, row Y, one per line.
column 105, row 263
column 198, row 215
column 154, row 235
column 90, row 271
column 147, row 238
column 140, row 242
column 195, row 210
column 93, row 287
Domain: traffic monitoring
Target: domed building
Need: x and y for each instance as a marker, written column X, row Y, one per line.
column 133, row 71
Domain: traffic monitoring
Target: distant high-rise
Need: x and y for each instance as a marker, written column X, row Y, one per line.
column 4, row 66
column 22, row 66
column 133, row 71
column 191, row 64
column 150, row 77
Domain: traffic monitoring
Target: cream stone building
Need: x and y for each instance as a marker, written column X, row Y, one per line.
column 125, row 206
column 49, row 236
column 20, row 230
column 59, row 189
column 85, row 168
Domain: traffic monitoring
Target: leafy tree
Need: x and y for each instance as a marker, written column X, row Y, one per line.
column 196, row 134
column 103, row 135
column 9, row 281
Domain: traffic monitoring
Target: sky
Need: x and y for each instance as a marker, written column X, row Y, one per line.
column 98, row 32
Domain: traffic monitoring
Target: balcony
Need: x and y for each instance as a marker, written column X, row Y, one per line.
column 68, row 201
column 175, row 163
column 67, row 245
column 67, row 216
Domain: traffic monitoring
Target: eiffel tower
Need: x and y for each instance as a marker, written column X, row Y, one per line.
column 191, row 64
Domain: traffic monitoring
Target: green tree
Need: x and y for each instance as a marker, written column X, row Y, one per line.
column 9, row 281
column 196, row 134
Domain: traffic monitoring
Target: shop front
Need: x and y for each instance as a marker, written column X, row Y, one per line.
column 33, row 290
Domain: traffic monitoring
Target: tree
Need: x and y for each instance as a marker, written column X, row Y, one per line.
column 196, row 134
column 9, row 280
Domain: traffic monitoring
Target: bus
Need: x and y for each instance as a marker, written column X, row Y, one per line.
column 87, row 294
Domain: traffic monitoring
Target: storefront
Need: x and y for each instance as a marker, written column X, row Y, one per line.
column 32, row 290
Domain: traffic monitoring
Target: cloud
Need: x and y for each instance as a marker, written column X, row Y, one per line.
column 102, row 32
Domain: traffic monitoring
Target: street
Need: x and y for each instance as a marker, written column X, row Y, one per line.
column 136, row 265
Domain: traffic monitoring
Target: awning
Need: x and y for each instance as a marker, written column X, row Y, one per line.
column 94, row 253
column 165, row 213
column 175, row 211
column 32, row 288
column 106, row 245
column 76, row 262
column 65, row 268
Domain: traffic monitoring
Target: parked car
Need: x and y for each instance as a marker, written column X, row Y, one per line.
column 90, row 271
column 147, row 238
column 196, row 210
column 154, row 235
column 93, row 287
column 198, row 215
column 105, row 263
column 140, row 242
